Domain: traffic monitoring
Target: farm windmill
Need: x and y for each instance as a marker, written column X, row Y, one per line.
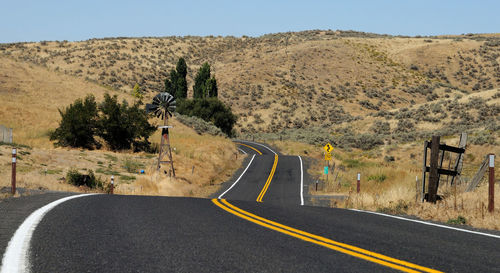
column 162, row 107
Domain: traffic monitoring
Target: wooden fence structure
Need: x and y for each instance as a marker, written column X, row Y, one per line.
column 435, row 169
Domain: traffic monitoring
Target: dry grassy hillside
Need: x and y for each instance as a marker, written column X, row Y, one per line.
column 289, row 80
column 30, row 98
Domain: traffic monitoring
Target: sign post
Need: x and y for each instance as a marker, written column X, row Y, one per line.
column 491, row 188
column 328, row 156
column 112, row 184
column 14, row 159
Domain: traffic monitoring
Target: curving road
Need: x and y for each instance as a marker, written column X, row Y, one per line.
column 249, row 230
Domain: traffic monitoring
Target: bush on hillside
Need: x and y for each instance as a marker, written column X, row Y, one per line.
column 78, row 124
column 211, row 110
column 199, row 125
column 121, row 126
column 74, row 177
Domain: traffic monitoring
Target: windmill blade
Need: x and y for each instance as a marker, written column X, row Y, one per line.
column 151, row 108
column 163, row 105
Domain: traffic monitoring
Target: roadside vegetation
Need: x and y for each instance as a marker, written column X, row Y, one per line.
column 203, row 158
column 376, row 98
column 388, row 181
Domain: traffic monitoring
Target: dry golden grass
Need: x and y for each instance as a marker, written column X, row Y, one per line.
column 265, row 73
column 31, row 97
column 398, row 192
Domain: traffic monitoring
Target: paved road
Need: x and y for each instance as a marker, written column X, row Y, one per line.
column 284, row 180
column 158, row 234
column 104, row 233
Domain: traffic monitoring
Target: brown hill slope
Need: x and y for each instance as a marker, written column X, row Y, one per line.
column 289, row 80
column 30, row 97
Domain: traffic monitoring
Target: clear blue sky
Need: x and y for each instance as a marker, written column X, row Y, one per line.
column 22, row 20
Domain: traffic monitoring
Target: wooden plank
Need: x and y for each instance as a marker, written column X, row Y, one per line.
column 442, row 171
column 433, row 173
column 479, row 175
column 452, row 149
column 448, row 148
column 424, row 169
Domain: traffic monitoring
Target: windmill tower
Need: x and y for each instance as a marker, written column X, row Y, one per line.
column 162, row 107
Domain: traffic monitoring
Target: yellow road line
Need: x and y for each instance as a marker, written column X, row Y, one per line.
column 259, row 152
column 264, row 189
column 341, row 247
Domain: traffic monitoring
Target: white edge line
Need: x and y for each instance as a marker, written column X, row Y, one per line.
column 430, row 224
column 259, row 145
column 301, row 182
column 15, row 258
column 241, row 150
column 237, row 180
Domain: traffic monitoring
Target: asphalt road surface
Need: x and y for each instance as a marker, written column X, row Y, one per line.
column 111, row 233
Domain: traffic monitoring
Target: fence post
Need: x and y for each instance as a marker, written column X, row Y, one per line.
column 433, row 173
column 14, row 159
column 491, row 188
column 358, row 185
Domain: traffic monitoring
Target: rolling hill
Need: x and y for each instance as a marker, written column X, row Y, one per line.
column 288, row 80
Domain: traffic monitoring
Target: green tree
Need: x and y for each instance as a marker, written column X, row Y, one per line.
column 137, row 92
column 171, row 84
column 200, row 81
column 123, row 126
column 211, row 88
column 78, row 124
column 181, row 82
column 211, row 110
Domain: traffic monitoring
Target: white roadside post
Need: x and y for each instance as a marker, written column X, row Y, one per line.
column 359, row 183
column 112, row 184
column 14, row 159
column 491, row 186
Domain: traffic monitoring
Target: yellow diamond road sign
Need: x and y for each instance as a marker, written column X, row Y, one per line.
column 328, row 148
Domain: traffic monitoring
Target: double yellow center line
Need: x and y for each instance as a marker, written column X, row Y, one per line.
column 264, row 189
column 248, row 146
column 322, row 241
column 269, row 178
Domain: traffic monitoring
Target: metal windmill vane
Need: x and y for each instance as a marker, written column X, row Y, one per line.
column 162, row 107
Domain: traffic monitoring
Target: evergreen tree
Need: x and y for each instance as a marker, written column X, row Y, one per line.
column 78, row 124
column 211, row 88
column 181, row 83
column 200, row 81
column 168, row 86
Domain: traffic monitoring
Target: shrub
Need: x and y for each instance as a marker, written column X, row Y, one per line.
column 211, row 110
column 74, row 177
column 460, row 220
column 367, row 141
column 389, row 158
column 483, row 137
column 404, row 126
column 381, row 127
column 199, row 125
column 123, row 126
column 132, row 166
column 377, row 177
column 78, row 124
